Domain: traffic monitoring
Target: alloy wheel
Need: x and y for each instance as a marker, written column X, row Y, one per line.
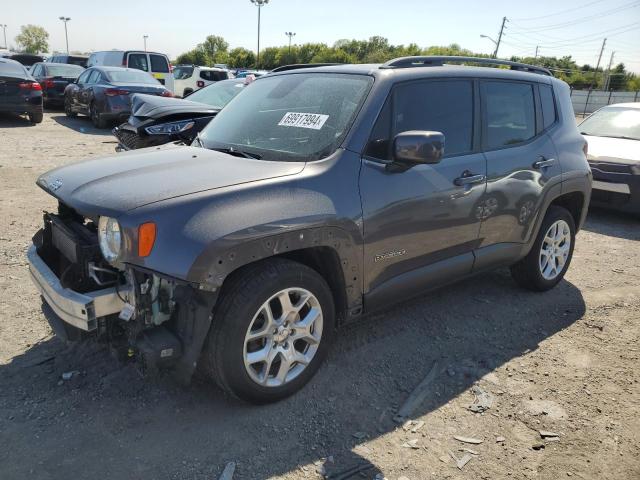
column 283, row 337
column 555, row 249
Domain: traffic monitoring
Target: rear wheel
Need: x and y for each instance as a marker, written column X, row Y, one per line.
column 96, row 118
column 271, row 330
column 68, row 111
column 36, row 117
column 549, row 258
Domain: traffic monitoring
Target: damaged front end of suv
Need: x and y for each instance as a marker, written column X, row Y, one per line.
column 143, row 316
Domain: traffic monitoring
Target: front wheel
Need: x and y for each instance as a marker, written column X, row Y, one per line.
column 547, row 262
column 271, row 330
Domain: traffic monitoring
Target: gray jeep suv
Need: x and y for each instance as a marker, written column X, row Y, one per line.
column 316, row 196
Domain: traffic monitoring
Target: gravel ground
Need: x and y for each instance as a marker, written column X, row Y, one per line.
column 565, row 361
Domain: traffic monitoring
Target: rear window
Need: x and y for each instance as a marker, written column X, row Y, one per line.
column 510, row 113
column 138, row 61
column 182, row 73
column 81, row 61
column 159, row 64
column 12, row 68
column 126, row 76
column 64, row 70
column 213, row 75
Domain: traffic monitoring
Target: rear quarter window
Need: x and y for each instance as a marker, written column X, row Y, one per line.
column 549, row 114
column 159, row 64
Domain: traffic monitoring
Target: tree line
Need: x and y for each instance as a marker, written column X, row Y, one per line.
column 377, row 49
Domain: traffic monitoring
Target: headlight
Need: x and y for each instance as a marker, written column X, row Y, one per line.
column 170, row 128
column 110, row 238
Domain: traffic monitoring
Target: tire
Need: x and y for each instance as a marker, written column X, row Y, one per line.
column 186, row 92
column 532, row 272
column 35, row 117
column 240, row 311
column 67, row 108
column 97, row 119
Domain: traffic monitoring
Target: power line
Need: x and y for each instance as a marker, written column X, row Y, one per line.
column 582, row 7
column 591, row 36
column 577, row 21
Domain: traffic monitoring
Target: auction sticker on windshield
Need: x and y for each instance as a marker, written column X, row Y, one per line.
column 303, row 120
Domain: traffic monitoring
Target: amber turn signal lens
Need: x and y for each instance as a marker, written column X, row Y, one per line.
column 146, row 238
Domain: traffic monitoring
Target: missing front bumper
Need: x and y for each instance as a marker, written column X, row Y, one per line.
column 82, row 310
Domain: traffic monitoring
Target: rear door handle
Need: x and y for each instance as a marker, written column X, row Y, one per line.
column 469, row 178
column 544, row 162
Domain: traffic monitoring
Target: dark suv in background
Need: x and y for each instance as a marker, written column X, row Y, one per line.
column 314, row 197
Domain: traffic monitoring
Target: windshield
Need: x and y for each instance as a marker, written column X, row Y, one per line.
column 64, row 70
column 295, row 117
column 616, row 122
column 218, row 94
column 182, row 73
column 132, row 76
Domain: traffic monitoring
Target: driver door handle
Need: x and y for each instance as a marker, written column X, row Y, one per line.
column 544, row 162
column 469, row 178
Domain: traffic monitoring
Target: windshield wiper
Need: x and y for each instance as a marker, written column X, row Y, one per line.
column 237, row 153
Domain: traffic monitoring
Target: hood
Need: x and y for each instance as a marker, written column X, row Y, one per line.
column 613, row 150
column 150, row 106
column 119, row 183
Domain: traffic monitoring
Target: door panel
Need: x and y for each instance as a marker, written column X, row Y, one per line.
column 418, row 217
column 518, row 176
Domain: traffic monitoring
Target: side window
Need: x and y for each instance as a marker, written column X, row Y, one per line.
column 549, row 115
column 36, row 72
column 218, row 76
column 85, row 76
column 206, row 75
column 509, row 113
column 139, row 61
column 93, row 78
column 159, row 64
column 442, row 106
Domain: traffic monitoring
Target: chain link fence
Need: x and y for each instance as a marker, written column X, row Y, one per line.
column 588, row 101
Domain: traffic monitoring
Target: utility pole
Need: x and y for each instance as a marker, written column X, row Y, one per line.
column 65, row 20
column 604, row 42
column 145, row 41
column 495, row 53
column 290, row 35
column 537, row 46
column 259, row 4
column 595, row 75
column 4, row 27
column 608, row 81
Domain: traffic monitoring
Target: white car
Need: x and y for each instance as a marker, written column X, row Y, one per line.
column 613, row 137
column 189, row 78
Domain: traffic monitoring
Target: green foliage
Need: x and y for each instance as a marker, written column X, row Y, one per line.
column 213, row 50
column 377, row 49
column 33, row 39
column 241, row 57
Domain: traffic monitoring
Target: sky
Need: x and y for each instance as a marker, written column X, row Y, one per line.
column 559, row 28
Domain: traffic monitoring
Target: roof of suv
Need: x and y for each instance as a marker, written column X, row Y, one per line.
column 424, row 71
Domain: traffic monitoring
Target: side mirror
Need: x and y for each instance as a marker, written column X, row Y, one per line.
column 417, row 147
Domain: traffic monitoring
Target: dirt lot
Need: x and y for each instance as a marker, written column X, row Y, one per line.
column 565, row 361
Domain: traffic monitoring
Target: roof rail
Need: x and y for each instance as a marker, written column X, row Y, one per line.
column 438, row 61
column 296, row 66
